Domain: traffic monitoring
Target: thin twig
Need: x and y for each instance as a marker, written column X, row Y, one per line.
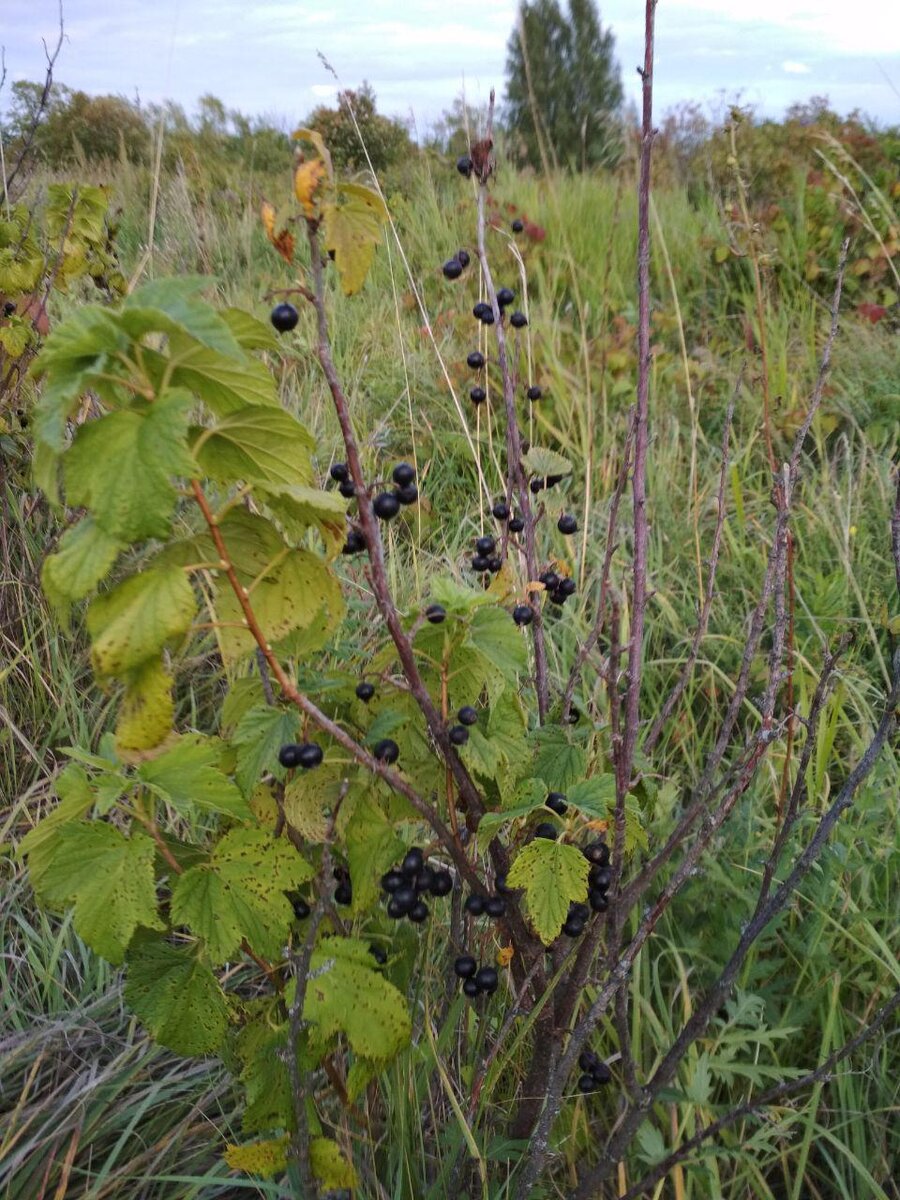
column 28, row 140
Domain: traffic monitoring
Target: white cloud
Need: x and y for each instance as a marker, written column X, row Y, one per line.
column 796, row 68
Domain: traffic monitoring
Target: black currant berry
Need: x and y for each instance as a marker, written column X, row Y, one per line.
column 480, row 563
column 309, row 755
column 518, row 225
column 471, row 988
column 343, row 893
column 501, row 510
column 495, row 562
column 386, row 505
column 556, row 802
column 599, row 901
column 347, row 489
column 601, row 1073
column 339, row 472
column 464, row 165
column 435, row 613
column 403, row 474
column 452, row 268
column 441, row 883
column 379, row 954
column 587, row 1061
column 549, row 579
column 404, row 899
column 408, row 494
column 505, row 297
column 284, row 317
column 516, row 524
column 495, row 906
column 579, row 911
column 392, row 881
column 557, row 597
column 301, row 908
column 536, row 485
column 487, row 317
column 289, row 756
column 573, row 928
column 553, row 480
column 500, row 886
column 546, row 829
column 468, row 715
column 475, row 360
column 597, row 852
column 463, row 257
column 602, row 878
column 419, row 912
column 487, row 980
column 394, row 911
column 365, row 692
column 386, row 750
column 413, row 862
column 424, row 880
column 474, row 904
column 586, row 1084
column 465, row 966
column 480, row 309
column 518, row 320
column 9, row 308
column 458, row 735
column 568, row 586
column 534, row 392
column 567, row 524
column 355, row 543
column 523, row 614
column 477, row 395
column 485, row 545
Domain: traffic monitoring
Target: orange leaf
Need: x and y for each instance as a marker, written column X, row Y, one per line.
column 307, row 178
column 267, row 212
column 283, row 241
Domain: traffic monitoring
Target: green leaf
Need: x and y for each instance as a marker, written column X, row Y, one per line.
column 173, row 306
column 108, row 877
column 299, row 508
column 557, row 761
column 122, row 466
column 344, row 994
column 310, row 797
column 147, row 710
column 651, row 1143
column 260, row 734
column 76, row 799
column 256, row 444
column 455, row 597
column 188, row 776
column 372, row 849
column 543, row 462
column 240, row 894
column 260, row 1047
column 553, row 874
column 352, row 229
column 85, row 556
column 133, row 622
column 595, row 797
column 79, row 344
column 224, row 384
column 329, row 1166
column 289, row 597
column 498, row 641
column 176, row 996
column 249, row 333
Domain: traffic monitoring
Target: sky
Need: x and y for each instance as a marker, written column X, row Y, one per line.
column 262, row 56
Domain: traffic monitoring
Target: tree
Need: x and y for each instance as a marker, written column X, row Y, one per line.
column 386, row 139
column 563, row 85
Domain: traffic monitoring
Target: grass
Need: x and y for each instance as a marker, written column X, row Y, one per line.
column 89, row 1108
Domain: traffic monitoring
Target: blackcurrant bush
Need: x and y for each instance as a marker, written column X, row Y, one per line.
column 546, row 829
column 567, row 524
column 475, row 360
column 452, row 268
column 477, row 395
column 501, row 510
column 523, row 614
column 386, row 505
column 516, row 524
column 309, row 755
column 365, row 692
column 284, row 317
column 413, row 862
column 505, row 297
column 534, row 392
column 435, row 613
column 518, row 225
column 347, row 489
column 485, row 545
column 487, row 980
column 408, row 494
column 441, row 883
column 463, row 257
column 458, row 735
column 419, row 912
column 474, row 904
column 518, row 320
column 556, row 802
column 495, row 906
column 465, row 966
column 468, row 715
column 386, row 750
column 464, row 165
column 339, row 472
column 403, row 474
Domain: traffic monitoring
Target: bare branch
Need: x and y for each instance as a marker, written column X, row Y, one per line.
column 28, row 140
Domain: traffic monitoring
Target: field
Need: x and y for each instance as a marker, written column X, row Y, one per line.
column 91, row 1108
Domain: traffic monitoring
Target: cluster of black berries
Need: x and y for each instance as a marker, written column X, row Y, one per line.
column 284, row 317
column 343, row 893
column 544, row 481
column 478, row 905
column 459, row 734
column 404, row 885
column 600, row 875
column 576, row 919
column 502, row 512
column 595, row 1072
column 476, row 981
column 300, row 754
column 486, row 557
column 386, row 505
column 559, row 588
column 455, row 266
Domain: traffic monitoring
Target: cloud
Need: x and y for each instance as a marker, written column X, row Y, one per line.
column 796, row 68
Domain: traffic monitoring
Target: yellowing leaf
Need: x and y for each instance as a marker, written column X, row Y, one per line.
column 307, row 177
column 329, row 1165
column 283, row 241
column 176, row 996
column 345, row 994
column 352, row 228
column 133, row 622
column 310, row 135
column 267, row 212
column 266, row 1158
column 147, row 711
column 553, row 874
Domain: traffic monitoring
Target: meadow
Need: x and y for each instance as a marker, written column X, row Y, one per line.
column 89, row 1106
